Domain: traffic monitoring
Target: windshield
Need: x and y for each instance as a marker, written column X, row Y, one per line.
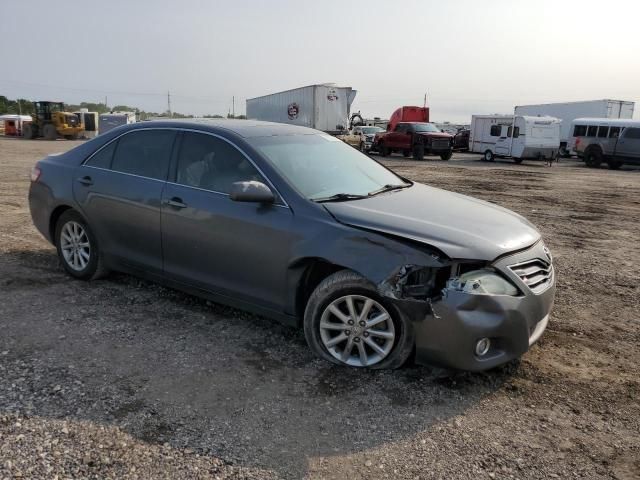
column 321, row 166
column 425, row 127
column 369, row 130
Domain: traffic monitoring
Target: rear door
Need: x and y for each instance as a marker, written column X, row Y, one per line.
column 119, row 190
column 503, row 142
column 235, row 249
column 629, row 144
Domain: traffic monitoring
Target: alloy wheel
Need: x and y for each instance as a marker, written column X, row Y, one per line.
column 75, row 245
column 357, row 330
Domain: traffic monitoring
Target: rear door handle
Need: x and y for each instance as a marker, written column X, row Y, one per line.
column 86, row 181
column 176, row 202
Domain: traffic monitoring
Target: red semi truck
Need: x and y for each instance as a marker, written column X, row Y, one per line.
column 410, row 133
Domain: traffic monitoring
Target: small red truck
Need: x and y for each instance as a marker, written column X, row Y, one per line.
column 410, row 133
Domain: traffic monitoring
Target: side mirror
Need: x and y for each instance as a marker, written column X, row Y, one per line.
column 251, row 191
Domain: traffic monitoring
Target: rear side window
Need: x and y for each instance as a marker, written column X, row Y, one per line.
column 614, row 132
column 592, row 130
column 102, row 159
column 632, row 133
column 210, row 163
column 495, row 130
column 145, row 153
column 603, row 131
column 580, row 131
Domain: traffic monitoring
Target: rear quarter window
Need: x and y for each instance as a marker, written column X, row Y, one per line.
column 102, row 158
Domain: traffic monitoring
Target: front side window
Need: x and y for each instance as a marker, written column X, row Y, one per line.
column 592, row 130
column 145, row 153
column 632, row 133
column 320, row 166
column 516, row 132
column 102, row 159
column 211, row 163
column 614, row 132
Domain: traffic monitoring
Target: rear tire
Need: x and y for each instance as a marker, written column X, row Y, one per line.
column 593, row 157
column 488, row 156
column 49, row 132
column 517, row 160
column 614, row 164
column 28, row 132
column 78, row 248
column 564, row 152
column 388, row 352
column 447, row 155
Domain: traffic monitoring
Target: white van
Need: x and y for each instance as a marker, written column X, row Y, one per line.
column 515, row 136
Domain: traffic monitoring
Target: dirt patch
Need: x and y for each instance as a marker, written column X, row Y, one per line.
column 198, row 390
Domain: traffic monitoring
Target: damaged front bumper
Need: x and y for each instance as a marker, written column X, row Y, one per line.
column 449, row 326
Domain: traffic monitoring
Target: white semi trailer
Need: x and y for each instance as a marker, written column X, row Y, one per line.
column 569, row 111
column 324, row 107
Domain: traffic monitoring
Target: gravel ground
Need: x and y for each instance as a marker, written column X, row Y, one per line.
column 121, row 378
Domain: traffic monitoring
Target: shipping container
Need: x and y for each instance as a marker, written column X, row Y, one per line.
column 324, row 107
column 569, row 111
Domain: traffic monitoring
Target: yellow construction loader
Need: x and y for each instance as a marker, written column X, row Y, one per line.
column 51, row 122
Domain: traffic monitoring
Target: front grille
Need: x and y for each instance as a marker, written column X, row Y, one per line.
column 536, row 274
column 440, row 144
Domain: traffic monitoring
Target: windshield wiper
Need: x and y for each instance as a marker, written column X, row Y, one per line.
column 388, row 188
column 339, row 197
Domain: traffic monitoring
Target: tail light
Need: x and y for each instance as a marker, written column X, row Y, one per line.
column 35, row 173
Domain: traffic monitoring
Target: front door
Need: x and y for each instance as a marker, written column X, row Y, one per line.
column 235, row 249
column 629, row 144
column 503, row 143
column 119, row 191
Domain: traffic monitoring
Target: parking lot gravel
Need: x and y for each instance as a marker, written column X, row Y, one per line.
column 122, row 378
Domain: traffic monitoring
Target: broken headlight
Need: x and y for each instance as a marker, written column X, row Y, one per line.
column 483, row 282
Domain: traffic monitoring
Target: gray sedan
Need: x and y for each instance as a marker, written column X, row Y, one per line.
column 295, row 225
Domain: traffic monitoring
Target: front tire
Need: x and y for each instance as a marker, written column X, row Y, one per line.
column 447, row 155
column 383, row 150
column 348, row 323
column 78, row 248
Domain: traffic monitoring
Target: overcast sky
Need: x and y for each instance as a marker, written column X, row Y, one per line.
column 468, row 56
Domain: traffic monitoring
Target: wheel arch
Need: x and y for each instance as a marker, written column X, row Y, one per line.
column 307, row 275
column 55, row 216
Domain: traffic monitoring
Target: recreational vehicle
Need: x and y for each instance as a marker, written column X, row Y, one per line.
column 514, row 136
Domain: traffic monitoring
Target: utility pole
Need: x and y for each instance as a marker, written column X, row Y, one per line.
column 169, row 104
column 425, row 100
column 19, row 107
column 233, row 106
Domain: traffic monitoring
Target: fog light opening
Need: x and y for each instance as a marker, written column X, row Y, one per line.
column 482, row 346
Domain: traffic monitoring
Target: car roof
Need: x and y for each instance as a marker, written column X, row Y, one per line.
column 243, row 128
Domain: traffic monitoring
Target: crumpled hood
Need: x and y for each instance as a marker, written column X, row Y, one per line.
column 460, row 226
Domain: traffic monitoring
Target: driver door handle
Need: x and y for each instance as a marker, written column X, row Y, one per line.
column 86, row 181
column 175, row 202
